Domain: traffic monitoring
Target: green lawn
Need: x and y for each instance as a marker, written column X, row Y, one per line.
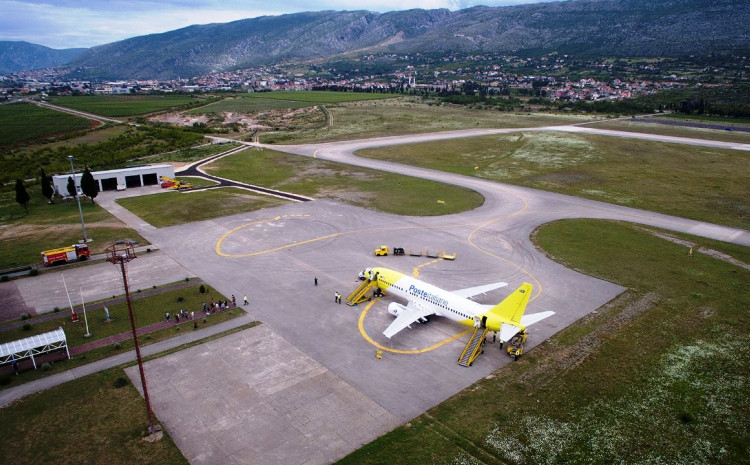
column 45, row 227
column 264, row 101
column 700, row 183
column 370, row 189
column 125, row 105
column 659, row 375
column 170, row 208
column 23, row 122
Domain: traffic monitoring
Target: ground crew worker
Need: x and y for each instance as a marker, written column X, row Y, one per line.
column 245, row 301
column 316, row 280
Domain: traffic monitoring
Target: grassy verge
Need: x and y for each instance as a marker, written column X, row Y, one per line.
column 102, row 424
column 362, row 187
column 46, row 227
column 172, row 208
column 357, row 120
column 191, row 154
column 701, row 183
column 657, row 375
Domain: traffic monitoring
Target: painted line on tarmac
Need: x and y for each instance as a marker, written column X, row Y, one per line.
column 399, row 351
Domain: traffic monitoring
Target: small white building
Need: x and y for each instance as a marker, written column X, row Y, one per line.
column 135, row 176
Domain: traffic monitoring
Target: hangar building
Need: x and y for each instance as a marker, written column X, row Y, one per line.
column 134, row 176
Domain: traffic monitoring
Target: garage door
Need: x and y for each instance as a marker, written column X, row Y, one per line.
column 150, row 179
column 109, row 184
column 133, row 181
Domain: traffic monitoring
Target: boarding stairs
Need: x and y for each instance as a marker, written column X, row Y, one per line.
column 361, row 293
column 474, row 347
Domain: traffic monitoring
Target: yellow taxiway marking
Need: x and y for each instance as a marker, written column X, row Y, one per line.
column 399, row 351
column 294, row 244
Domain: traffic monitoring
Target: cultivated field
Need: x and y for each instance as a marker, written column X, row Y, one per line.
column 701, row 183
column 659, row 375
column 126, row 105
column 24, row 122
column 265, row 101
column 321, row 179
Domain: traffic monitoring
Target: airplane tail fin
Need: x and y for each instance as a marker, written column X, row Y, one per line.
column 513, row 306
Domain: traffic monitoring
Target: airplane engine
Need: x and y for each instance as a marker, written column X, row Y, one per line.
column 395, row 309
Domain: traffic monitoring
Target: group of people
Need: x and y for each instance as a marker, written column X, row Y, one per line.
column 182, row 313
column 208, row 308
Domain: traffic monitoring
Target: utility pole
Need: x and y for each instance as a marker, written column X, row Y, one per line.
column 122, row 252
column 73, row 173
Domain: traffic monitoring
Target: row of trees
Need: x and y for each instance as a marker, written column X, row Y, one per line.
column 89, row 187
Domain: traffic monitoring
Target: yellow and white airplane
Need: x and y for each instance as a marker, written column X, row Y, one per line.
column 424, row 300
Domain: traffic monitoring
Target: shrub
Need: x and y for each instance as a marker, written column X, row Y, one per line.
column 148, row 250
column 180, row 299
column 120, row 382
column 204, row 320
column 56, row 309
column 4, row 380
column 153, row 287
column 202, row 289
column 187, row 279
column 5, row 278
column 33, row 272
column 24, row 316
column 26, row 326
column 117, row 346
column 138, row 291
column 46, row 366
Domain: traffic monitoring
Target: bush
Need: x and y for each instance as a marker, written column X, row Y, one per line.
column 117, row 346
column 204, row 320
column 46, row 366
column 5, row 278
column 180, row 299
column 56, row 309
column 25, row 316
column 120, row 382
column 202, row 289
column 187, row 279
column 4, row 380
column 33, row 272
column 148, row 250
column 26, row 326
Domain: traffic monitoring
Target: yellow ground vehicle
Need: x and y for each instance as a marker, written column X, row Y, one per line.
column 515, row 345
column 381, row 251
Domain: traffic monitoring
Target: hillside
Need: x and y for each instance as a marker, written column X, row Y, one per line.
column 613, row 28
column 20, row 56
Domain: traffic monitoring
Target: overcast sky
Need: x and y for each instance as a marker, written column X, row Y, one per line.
column 85, row 23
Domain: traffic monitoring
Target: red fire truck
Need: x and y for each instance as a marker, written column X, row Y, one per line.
column 78, row 252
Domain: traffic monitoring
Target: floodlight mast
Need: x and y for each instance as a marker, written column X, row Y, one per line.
column 122, row 252
column 78, row 201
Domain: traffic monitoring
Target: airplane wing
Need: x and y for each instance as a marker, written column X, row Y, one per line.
column 508, row 331
column 472, row 291
column 411, row 313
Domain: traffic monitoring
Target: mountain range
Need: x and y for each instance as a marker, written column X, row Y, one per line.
column 18, row 56
column 605, row 28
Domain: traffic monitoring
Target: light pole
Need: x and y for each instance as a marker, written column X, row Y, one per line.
column 80, row 211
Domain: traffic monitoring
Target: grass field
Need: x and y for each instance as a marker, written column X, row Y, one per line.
column 264, row 101
column 701, row 183
column 370, row 189
column 375, row 118
column 24, row 122
column 170, row 208
column 125, row 105
column 659, row 375
column 24, row 237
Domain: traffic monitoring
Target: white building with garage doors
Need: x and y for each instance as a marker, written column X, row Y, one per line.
column 134, row 176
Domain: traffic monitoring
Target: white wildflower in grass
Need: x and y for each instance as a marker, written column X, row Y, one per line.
column 461, row 459
column 554, row 150
column 608, row 196
column 689, row 411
